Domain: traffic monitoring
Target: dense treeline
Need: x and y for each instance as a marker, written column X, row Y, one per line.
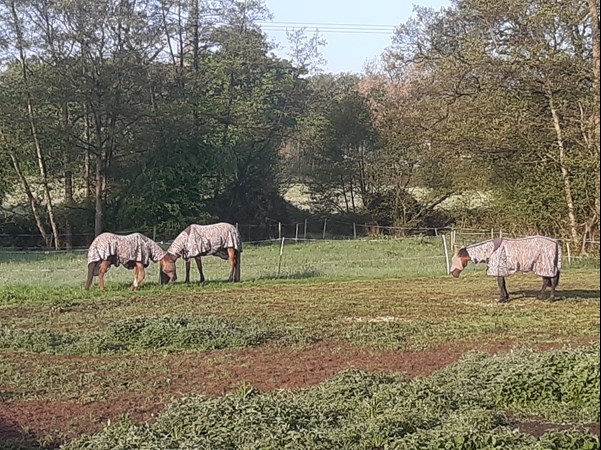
column 119, row 115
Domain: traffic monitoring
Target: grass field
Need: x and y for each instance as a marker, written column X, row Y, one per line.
column 378, row 319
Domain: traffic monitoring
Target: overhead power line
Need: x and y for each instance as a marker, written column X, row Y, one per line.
column 324, row 27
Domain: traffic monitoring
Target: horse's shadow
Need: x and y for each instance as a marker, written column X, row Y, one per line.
column 560, row 294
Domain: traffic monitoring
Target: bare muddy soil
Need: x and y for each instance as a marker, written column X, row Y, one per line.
column 214, row 373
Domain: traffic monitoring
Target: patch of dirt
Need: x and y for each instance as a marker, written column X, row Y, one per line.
column 214, row 373
column 538, row 428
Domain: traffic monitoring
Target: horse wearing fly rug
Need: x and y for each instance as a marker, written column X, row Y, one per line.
column 505, row 257
column 220, row 239
column 133, row 251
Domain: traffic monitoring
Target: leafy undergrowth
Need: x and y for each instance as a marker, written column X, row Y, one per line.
column 141, row 334
column 460, row 407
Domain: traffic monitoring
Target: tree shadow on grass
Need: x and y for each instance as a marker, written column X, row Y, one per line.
column 13, row 437
column 568, row 294
column 290, row 275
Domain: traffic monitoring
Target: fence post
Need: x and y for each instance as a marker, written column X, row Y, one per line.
column 305, row 234
column 446, row 253
column 296, row 234
column 279, row 230
column 492, row 233
column 325, row 223
column 280, row 260
column 154, row 233
column 354, row 230
column 569, row 254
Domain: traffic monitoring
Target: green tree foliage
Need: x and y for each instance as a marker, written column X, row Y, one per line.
column 515, row 80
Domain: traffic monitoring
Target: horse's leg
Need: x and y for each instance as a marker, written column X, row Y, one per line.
column 92, row 268
column 503, row 294
column 546, row 282
column 104, row 267
column 231, row 257
column 199, row 265
column 134, row 285
column 238, row 262
column 554, row 281
column 187, row 280
column 139, row 275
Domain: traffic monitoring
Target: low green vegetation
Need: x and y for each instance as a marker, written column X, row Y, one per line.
column 60, row 343
column 460, row 407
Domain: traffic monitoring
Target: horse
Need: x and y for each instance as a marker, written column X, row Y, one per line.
column 538, row 254
column 220, row 239
column 133, row 251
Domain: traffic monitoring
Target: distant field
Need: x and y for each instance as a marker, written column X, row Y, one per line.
column 309, row 260
column 376, row 258
column 368, row 330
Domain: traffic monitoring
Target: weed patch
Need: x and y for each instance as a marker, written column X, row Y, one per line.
column 357, row 410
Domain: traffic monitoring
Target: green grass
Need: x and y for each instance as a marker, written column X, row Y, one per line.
column 379, row 258
column 356, row 410
column 59, row 342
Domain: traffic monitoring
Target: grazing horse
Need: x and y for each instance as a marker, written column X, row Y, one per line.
column 220, row 239
column 133, row 251
column 505, row 257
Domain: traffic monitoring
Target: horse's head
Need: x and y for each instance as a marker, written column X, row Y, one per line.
column 459, row 261
column 167, row 272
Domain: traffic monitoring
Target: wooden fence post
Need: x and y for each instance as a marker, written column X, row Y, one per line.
column 280, row 260
column 446, row 253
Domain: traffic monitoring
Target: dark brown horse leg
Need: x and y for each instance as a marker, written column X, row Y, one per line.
column 238, row 262
column 187, row 280
column 503, row 294
column 554, row 281
column 199, row 265
column 546, row 282
column 104, row 267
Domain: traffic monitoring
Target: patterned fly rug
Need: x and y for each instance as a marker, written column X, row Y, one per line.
column 505, row 257
column 133, row 251
column 220, row 239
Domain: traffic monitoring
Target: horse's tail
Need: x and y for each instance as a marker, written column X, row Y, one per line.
column 92, row 268
column 237, row 265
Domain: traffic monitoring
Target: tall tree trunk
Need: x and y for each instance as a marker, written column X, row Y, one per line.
column 98, row 196
column 87, row 172
column 567, row 185
column 68, row 193
column 596, row 112
column 34, row 133
column 68, row 204
column 32, row 200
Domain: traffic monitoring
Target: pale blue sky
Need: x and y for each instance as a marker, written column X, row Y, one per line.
column 346, row 50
